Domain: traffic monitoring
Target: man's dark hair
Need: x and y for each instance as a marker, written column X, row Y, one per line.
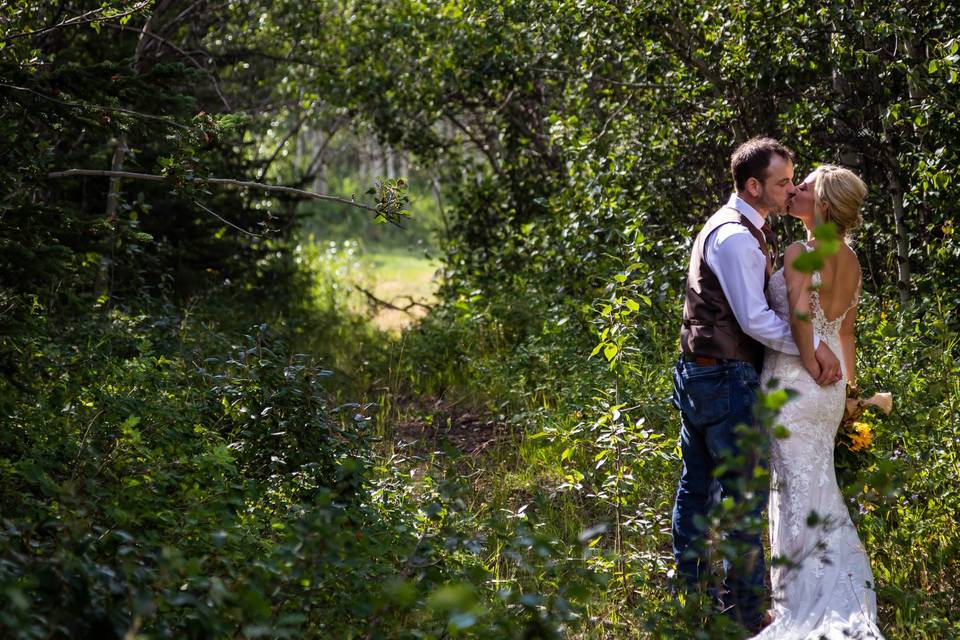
column 751, row 159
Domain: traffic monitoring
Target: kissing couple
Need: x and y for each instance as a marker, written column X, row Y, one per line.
column 745, row 325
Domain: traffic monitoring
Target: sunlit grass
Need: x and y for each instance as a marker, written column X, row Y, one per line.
column 400, row 279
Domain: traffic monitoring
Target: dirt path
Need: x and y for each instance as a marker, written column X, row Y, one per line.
column 470, row 431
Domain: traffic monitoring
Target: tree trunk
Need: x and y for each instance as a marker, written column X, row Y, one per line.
column 903, row 245
column 101, row 285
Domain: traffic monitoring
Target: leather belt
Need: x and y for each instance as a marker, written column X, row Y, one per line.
column 701, row 360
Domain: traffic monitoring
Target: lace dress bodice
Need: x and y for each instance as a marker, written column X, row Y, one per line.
column 825, row 590
column 828, row 330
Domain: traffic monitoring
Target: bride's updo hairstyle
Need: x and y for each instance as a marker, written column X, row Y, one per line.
column 844, row 192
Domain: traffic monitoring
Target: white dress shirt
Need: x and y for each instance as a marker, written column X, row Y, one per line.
column 733, row 254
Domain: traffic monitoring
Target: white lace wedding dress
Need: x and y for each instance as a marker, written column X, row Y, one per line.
column 825, row 589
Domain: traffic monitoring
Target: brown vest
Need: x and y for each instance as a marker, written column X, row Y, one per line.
column 709, row 327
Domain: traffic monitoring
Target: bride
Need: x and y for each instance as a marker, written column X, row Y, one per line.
column 822, row 585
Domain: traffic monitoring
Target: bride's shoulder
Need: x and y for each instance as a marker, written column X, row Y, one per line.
column 847, row 251
column 847, row 258
column 850, row 265
column 793, row 250
column 797, row 247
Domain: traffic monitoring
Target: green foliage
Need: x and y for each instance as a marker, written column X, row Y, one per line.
column 178, row 461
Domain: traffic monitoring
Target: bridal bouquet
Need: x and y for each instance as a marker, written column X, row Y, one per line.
column 854, row 433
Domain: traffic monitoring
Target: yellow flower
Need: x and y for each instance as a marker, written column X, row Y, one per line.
column 860, row 437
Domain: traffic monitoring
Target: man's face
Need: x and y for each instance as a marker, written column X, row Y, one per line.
column 777, row 189
column 802, row 203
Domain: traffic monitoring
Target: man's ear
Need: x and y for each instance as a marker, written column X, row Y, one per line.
column 753, row 187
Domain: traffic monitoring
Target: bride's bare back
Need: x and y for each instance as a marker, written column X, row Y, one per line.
column 839, row 282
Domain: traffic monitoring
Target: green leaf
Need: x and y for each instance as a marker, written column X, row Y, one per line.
column 775, row 399
column 780, row 432
column 826, row 232
column 453, row 597
column 808, row 262
column 610, row 351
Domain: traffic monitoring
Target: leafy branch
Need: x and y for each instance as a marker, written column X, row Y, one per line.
column 97, row 107
column 89, row 17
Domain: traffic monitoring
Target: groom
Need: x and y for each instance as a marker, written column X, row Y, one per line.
column 727, row 323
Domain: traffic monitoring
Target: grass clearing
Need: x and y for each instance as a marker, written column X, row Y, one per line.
column 400, row 279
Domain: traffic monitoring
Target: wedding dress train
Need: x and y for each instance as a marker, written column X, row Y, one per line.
column 822, row 585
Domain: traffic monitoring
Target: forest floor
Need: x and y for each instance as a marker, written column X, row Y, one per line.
column 431, row 421
column 405, row 280
column 408, row 283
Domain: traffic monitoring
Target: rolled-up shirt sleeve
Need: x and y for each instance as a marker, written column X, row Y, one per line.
column 734, row 256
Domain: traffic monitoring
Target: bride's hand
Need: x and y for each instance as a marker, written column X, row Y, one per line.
column 827, row 364
column 813, row 368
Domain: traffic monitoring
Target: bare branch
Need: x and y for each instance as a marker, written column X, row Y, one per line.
column 317, row 161
column 681, row 40
column 185, row 54
column 602, row 79
column 286, row 138
column 183, row 14
column 151, row 177
column 142, row 41
column 389, row 305
column 481, row 145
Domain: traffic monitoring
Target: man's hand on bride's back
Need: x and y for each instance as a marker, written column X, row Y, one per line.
column 830, row 372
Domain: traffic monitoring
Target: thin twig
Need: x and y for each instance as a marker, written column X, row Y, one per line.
column 482, row 145
column 599, row 78
column 228, row 223
column 615, row 114
column 183, row 14
column 83, row 441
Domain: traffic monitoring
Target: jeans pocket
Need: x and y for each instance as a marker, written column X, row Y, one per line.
column 704, row 395
column 743, row 393
column 749, row 376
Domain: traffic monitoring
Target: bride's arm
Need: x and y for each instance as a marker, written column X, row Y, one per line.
column 848, row 345
column 798, row 295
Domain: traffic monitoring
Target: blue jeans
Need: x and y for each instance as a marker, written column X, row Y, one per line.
column 717, row 457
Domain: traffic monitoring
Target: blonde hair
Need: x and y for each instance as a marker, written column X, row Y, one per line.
column 844, row 192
